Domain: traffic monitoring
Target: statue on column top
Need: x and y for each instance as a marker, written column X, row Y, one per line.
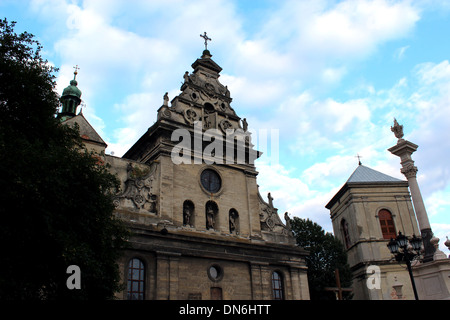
column 397, row 129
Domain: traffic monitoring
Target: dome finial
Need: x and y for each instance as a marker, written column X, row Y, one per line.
column 75, row 72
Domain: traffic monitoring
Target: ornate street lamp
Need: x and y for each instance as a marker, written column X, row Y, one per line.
column 416, row 243
column 406, row 250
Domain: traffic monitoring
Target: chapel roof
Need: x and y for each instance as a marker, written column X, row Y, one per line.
column 365, row 174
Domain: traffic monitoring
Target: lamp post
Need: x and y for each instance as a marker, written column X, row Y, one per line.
column 406, row 250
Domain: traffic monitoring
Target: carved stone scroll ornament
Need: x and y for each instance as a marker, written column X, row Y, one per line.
column 210, row 88
column 164, row 112
column 190, row 115
column 138, row 190
column 208, row 84
column 225, row 124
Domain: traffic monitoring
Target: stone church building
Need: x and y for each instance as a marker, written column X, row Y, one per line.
column 200, row 228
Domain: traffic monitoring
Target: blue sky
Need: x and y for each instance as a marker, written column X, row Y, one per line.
column 329, row 76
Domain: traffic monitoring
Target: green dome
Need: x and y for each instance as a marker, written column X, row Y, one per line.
column 72, row 90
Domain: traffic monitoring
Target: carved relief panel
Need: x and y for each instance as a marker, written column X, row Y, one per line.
column 138, row 193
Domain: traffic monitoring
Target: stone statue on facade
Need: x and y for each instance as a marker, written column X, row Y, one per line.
column 269, row 197
column 186, row 77
column 288, row 220
column 209, row 217
column 187, row 215
column 244, row 125
column 232, row 220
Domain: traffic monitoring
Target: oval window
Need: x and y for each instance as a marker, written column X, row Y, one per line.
column 211, row 180
column 215, row 272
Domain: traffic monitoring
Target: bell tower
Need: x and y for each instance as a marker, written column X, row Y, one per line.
column 70, row 99
column 369, row 210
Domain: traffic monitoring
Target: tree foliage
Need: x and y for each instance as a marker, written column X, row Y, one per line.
column 55, row 198
column 326, row 254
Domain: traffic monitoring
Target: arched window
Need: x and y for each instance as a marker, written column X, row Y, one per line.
column 345, row 233
column 277, row 286
column 387, row 224
column 136, row 280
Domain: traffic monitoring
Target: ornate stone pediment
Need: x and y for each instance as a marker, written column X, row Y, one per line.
column 200, row 88
column 208, row 85
column 271, row 225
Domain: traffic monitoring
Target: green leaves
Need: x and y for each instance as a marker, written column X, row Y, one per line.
column 326, row 254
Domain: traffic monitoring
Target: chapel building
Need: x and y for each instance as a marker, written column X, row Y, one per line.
column 369, row 210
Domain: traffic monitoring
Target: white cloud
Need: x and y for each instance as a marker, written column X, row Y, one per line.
column 109, row 51
column 332, row 75
column 400, row 52
column 342, row 114
column 434, row 74
column 138, row 113
column 124, row 139
column 253, row 93
column 430, row 128
column 357, row 27
column 318, row 34
column 437, row 202
column 293, row 195
column 335, row 168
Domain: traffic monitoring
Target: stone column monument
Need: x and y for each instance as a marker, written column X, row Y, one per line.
column 404, row 149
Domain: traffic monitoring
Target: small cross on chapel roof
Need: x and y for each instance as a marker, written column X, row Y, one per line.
column 359, row 158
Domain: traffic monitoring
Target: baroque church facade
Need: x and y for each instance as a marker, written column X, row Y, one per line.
column 200, row 228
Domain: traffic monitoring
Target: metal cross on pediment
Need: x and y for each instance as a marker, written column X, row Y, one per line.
column 204, row 36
